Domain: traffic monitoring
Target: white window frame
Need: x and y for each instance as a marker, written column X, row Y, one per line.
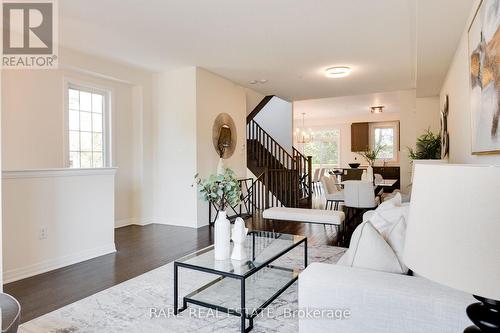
column 107, row 93
column 391, row 124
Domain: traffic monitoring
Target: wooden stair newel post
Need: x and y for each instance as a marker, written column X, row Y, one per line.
column 309, row 180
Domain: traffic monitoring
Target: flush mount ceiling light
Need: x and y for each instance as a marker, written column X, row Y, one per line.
column 338, row 71
column 377, row 109
column 261, row 81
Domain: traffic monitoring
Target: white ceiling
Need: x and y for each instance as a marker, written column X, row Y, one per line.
column 346, row 106
column 288, row 42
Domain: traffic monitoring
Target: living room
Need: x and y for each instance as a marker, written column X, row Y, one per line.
column 185, row 166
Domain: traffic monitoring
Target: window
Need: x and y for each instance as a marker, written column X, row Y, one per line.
column 87, row 127
column 324, row 148
column 386, row 135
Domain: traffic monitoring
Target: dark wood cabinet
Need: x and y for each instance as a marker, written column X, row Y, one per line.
column 360, row 136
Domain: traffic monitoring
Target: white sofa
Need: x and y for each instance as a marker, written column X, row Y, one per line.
column 378, row 302
column 370, row 282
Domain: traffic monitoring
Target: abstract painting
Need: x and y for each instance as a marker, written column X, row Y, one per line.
column 484, row 52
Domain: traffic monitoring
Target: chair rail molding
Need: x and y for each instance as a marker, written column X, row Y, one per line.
column 56, row 172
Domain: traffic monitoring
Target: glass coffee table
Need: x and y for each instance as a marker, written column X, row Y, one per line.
column 244, row 288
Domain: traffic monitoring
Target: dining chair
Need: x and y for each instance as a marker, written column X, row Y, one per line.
column 332, row 193
column 315, row 179
column 359, row 196
column 379, row 179
column 322, row 172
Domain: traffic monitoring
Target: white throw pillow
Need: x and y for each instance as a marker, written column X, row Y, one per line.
column 396, row 239
column 393, row 202
column 385, row 220
column 368, row 249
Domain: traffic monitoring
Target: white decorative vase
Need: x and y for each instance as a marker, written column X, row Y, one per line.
column 220, row 166
column 239, row 236
column 369, row 173
column 222, row 237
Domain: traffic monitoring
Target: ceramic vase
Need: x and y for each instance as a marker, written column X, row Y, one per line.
column 239, row 236
column 222, row 237
column 369, row 174
column 220, row 167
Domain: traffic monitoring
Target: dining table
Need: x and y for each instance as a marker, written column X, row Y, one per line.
column 381, row 183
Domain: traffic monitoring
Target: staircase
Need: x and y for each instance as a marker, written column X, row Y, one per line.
column 283, row 179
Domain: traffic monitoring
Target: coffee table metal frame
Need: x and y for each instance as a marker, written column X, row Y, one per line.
column 242, row 313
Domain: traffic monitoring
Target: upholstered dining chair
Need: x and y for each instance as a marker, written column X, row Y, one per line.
column 359, row 196
column 315, row 179
column 322, row 172
column 332, row 193
column 11, row 313
column 379, row 179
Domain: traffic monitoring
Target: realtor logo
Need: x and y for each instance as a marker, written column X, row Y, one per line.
column 29, row 34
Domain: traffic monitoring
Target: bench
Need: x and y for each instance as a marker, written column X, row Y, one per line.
column 318, row 216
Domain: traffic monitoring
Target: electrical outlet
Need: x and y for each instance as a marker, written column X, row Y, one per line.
column 43, row 233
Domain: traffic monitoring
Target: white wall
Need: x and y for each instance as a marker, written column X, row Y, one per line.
column 75, row 207
column 215, row 95
column 1, row 213
column 187, row 102
column 253, row 98
column 33, row 132
column 457, row 87
column 175, row 104
column 276, row 118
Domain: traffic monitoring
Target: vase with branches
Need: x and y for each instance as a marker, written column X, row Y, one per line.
column 221, row 190
column 371, row 155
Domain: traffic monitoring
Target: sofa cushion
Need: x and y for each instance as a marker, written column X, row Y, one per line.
column 395, row 237
column 368, row 249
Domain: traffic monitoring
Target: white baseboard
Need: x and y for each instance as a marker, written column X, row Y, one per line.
column 49, row 265
column 133, row 221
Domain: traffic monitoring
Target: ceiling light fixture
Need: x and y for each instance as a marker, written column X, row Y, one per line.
column 261, row 81
column 338, row 71
column 377, row 109
column 302, row 135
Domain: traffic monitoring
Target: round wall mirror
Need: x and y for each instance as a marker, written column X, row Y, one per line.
column 224, row 135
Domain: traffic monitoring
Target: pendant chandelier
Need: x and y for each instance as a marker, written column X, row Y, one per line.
column 302, row 135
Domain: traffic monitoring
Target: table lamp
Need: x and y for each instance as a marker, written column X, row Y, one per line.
column 453, row 235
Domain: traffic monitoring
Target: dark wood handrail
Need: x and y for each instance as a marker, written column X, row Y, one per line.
column 268, row 141
column 259, row 107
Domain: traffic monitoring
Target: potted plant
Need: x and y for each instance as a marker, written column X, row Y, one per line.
column 427, row 150
column 221, row 190
column 428, row 147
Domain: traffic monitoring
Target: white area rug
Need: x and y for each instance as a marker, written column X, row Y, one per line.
column 128, row 307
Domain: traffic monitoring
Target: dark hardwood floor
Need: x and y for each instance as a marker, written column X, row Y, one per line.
column 139, row 250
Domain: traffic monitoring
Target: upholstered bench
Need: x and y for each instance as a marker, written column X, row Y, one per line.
column 319, row 216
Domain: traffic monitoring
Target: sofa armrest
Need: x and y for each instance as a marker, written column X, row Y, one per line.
column 379, row 302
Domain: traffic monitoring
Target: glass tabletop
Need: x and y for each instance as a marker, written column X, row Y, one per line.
column 261, row 248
